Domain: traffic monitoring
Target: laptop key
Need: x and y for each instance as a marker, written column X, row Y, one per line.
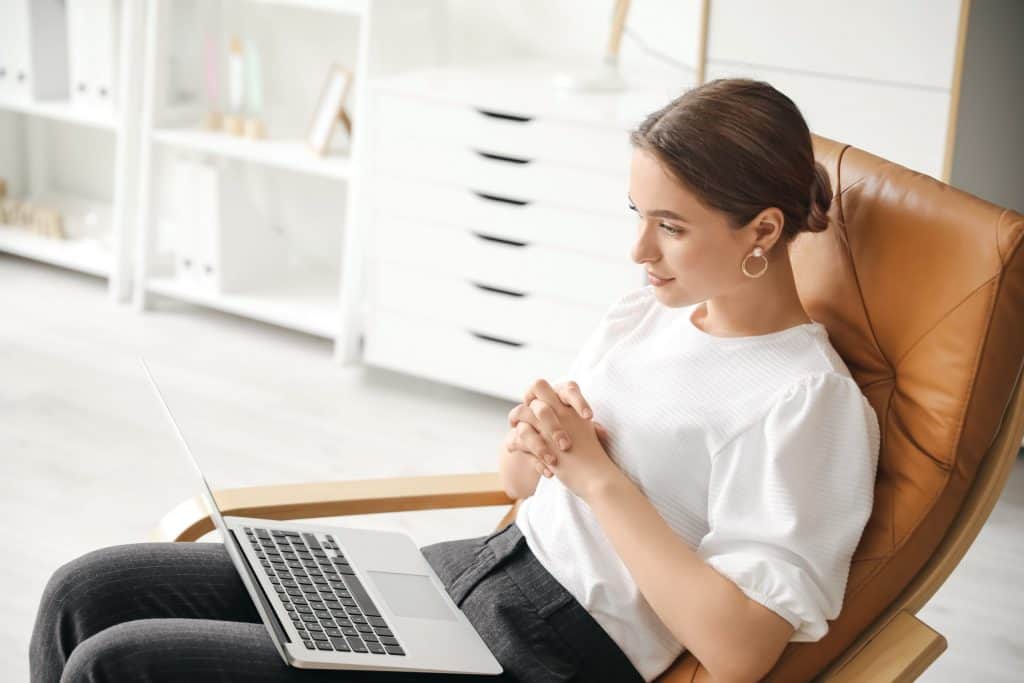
column 394, row 650
column 349, row 631
column 340, row 644
column 377, row 621
column 382, row 631
column 364, row 628
column 376, row 648
column 321, row 645
column 387, row 640
column 361, row 596
column 356, row 644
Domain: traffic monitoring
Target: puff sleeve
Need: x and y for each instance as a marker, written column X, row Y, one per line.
column 789, row 497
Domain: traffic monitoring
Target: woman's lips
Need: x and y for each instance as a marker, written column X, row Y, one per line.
column 657, row 281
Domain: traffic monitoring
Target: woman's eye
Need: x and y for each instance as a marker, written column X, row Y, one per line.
column 667, row 228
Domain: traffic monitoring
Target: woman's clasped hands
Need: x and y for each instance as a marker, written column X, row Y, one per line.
column 553, row 426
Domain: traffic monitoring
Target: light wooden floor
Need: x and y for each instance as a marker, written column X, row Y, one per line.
column 88, row 461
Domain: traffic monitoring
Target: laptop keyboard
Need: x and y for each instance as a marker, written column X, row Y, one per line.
column 324, row 598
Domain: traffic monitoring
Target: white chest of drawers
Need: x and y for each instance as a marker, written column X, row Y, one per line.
column 496, row 228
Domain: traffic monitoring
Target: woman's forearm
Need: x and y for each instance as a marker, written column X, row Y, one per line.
column 704, row 610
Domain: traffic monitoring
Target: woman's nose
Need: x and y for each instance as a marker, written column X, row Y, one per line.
column 645, row 248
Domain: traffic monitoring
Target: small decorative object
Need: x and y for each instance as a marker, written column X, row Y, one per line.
column 236, row 74
column 8, row 211
column 329, row 109
column 254, row 127
column 21, row 213
column 48, row 223
column 213, row 120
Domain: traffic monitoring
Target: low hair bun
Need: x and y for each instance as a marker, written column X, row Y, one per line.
column 821, row 199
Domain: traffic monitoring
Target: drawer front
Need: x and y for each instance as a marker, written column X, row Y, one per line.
column 904, row 125
column 506, row 216
column 916, row 44
column 475, row 255
column 504, row 132
column 491, row 173
column 466, row 304
column 457, row 356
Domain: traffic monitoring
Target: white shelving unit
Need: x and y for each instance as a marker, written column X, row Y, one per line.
column 291, row 155
column 34, row 165
column 304, row 293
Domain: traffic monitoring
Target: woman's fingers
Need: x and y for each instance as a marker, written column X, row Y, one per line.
column 544, row 405
column 571, row 395
column 531, row 441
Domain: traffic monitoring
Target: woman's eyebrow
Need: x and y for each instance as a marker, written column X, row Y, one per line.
column 660, row 213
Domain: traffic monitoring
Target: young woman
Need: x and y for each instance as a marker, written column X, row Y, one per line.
column 708, row 464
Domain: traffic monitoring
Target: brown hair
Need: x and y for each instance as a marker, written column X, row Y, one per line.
column 741, row 146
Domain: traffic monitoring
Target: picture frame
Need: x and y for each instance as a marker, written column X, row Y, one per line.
column 330, row 109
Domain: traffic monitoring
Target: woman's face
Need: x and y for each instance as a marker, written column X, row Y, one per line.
column 695, row 248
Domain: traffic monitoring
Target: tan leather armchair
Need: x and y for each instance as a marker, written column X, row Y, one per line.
column 921, row 288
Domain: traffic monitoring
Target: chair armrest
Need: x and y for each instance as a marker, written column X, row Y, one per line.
column 899, row 652
column 189, row 520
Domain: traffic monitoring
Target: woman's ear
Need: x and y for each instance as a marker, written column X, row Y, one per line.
column 768, row 227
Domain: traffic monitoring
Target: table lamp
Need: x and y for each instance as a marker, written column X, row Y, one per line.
column 607, row 77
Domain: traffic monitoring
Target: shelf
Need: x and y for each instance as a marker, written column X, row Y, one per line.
column 87, row 224
column 351, row 7
column 60, row 110
column 292, row 155
column 304, row 302
column 86, row 254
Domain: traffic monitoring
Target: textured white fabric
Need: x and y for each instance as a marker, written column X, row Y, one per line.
column 760, row 452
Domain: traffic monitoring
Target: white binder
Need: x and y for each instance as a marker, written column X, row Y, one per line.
column 93, row 40
column 34, row 37
column 224, row 242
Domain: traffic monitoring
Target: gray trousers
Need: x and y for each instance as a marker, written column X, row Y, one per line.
column 179, row 612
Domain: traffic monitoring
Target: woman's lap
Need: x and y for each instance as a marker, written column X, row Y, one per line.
column 179, row 611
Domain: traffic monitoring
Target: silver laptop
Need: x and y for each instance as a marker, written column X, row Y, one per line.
column 345, row 598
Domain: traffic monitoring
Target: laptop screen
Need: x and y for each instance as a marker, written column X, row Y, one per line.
column 211, row 504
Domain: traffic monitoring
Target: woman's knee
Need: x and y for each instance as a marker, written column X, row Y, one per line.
column 65, row 585
column 106, row 656
column 61, row 621
column 157, row 650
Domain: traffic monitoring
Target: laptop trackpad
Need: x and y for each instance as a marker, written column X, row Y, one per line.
column 411, row 595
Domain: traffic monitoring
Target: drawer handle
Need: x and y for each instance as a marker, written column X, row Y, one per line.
column 496, row 198
column 501, row 157
column 500, row 240
column 505, row 117
column 497, row 290
column 496, row 340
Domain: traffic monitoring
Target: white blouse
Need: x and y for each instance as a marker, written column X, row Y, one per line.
column 760, row 452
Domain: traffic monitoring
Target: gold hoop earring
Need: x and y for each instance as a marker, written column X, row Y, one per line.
column 758, row 252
